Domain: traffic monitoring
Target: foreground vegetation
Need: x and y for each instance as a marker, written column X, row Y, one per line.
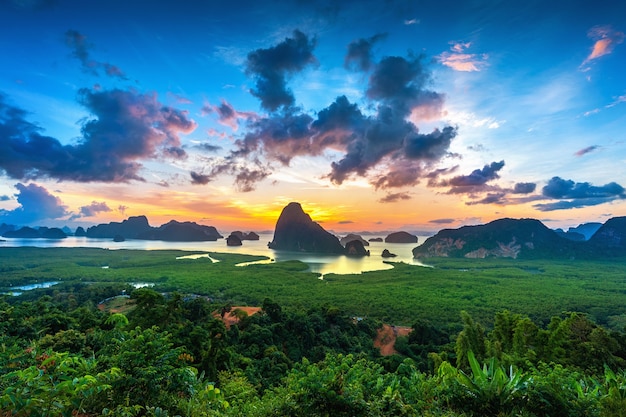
column 489, row 338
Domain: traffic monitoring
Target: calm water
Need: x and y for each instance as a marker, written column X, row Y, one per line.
column 323, row 264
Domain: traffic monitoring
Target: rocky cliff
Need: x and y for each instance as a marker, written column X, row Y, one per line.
column 610, row 239
column 295, row 231
column 509, row 238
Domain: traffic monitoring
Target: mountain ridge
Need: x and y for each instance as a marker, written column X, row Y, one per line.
column 525, row 239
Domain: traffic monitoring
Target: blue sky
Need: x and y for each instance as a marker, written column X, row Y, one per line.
column 375, row 115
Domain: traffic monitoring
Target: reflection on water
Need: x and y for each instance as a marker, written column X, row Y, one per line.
column 322, row 264
column 198, row 256
column 15, row 291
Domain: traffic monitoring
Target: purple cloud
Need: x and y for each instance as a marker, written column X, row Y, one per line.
column 126, row 127
column 586, row 150
column 524, row 188
column 385, row 140
column 394, row 197
column 94, row 208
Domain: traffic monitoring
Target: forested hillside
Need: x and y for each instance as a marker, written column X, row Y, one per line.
column 489, row 337
column 172, row 355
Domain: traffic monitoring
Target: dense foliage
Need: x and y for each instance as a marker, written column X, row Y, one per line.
column 164, row 352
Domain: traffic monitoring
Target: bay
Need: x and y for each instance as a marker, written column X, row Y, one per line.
column 318, row 263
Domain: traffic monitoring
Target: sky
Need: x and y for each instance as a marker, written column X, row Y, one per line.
column 374, row 115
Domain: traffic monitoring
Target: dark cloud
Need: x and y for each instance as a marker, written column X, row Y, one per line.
column 558, row 188
column 478, row 177
column 36, row 204
column 385, row 140
column 271, row 66
column 578, row 194
column 200, row 179
column 359, row 55
column 524, row 188
column 122, row 209
column 586, row 150
column 571, row 204
column 432, row 146
column 126, row 127
column 393, row 197
column 399, row 82
column 280, row 137
column 442, row 221
column 345, row 222
column 77, row 42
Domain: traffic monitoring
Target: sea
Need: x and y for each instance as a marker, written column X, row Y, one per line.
column 318, row 263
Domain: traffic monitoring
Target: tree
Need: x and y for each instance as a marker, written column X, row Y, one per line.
column 470, row 339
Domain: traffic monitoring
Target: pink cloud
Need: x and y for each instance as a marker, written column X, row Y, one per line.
column 459, row 60
column 227, row 115
column 605, row 39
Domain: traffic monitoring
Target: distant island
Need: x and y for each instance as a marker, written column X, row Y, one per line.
column 524, row 239
column 295, row 231
column 138, row 228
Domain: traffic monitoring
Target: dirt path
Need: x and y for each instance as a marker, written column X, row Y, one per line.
column 386, row 338
column 231, row 318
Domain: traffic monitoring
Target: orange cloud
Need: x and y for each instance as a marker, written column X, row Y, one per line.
column 458, row 60
column 605, row 39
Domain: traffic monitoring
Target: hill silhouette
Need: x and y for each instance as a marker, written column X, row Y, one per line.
column 138, row 228
column 523, row 238
column 295, row 231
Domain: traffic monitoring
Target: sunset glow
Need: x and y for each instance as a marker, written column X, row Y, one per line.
column 375, row 116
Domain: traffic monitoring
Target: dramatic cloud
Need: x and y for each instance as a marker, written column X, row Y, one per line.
column 393, row 197
column 459, row 60
column 126, row 127
column 472, row 183
column 386, row 141
column 359, row 55
column 36, row 204
column 271, row 66
column 524, row 188
column 559, row 188
column 578, row 194
column 586, row 150
column 80, row 50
